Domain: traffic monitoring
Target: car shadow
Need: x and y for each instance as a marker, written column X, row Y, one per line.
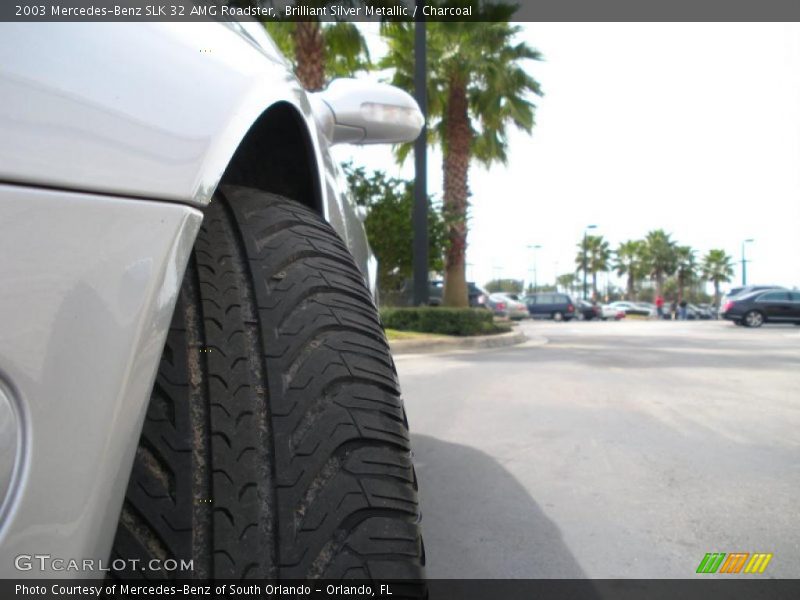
column 479, row 522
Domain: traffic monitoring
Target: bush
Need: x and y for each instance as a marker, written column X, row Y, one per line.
column 447, row 321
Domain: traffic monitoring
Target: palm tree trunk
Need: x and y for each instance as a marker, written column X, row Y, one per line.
column 594, row 285
column 631, row 288
column 716, row 294
column 456, row 166
column 309, row 53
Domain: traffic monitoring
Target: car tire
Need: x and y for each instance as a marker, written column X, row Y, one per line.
column 275, row 444
column 753, row 318
column 558, row 316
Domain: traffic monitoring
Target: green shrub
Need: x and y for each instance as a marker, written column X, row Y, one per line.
column 446, row 321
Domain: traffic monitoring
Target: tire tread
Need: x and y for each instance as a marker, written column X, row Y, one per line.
column 276, row 443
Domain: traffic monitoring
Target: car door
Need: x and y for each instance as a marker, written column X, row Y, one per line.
column 539, row 304
column 548, row 304
column 535, row 305
column 776, row 306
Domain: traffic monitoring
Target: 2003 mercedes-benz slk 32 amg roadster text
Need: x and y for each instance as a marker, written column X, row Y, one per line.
column 192, row 367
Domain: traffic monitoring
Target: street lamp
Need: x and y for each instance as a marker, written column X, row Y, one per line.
column 744, row 261
column 534, row 247
column 588, row 227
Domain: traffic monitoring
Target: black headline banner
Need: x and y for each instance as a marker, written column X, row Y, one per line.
column 398, row 10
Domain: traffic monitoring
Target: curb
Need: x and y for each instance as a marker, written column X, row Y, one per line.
column 446, row 344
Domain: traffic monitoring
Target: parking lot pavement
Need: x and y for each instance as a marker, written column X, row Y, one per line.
column 624, row 449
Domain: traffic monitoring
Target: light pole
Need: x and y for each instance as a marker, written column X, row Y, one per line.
column 588, row 227
column 534, row 247
column 744, row 261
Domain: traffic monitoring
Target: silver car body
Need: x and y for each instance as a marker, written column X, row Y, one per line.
column 514, row 309
column 113, row 138
column 608, row 311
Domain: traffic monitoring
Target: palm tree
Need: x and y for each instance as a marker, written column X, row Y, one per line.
column 477, row 87
column 320, row 51
column 630, row 262
column 685, row 268
column 567, row 282
column 717, row 268
column 598, row 256
column 659, row 257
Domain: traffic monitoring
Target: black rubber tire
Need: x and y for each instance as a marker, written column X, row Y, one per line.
column 275, row 444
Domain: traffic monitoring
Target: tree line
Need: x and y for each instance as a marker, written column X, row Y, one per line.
column 656, row 258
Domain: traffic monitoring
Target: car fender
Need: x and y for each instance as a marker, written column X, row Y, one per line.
column 172, row 105
column 163, row 122
column 90, row 284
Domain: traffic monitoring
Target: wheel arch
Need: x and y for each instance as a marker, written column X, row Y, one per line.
column 288, row 168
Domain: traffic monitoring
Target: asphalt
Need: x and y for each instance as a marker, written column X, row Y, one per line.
column 624, row 449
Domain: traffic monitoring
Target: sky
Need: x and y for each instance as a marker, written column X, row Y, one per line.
column 693, row 128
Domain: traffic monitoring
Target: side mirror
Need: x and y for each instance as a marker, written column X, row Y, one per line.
column 353, row 111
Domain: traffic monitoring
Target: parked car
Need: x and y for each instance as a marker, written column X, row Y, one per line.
column 709, row 310
column 478, row 297
column 611, row 312
column 744, row 290
column 651, row 309
column 631, row 308
column 588, row 311
column 700, row 313
column 504, row 305
column 753, row 309
column 551, row 305
column 192, row 366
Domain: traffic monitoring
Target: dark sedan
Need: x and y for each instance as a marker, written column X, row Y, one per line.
column 756, row 308
column 477, row 296
column 588, row 311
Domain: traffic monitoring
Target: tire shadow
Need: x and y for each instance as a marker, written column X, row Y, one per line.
column 479, row 522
